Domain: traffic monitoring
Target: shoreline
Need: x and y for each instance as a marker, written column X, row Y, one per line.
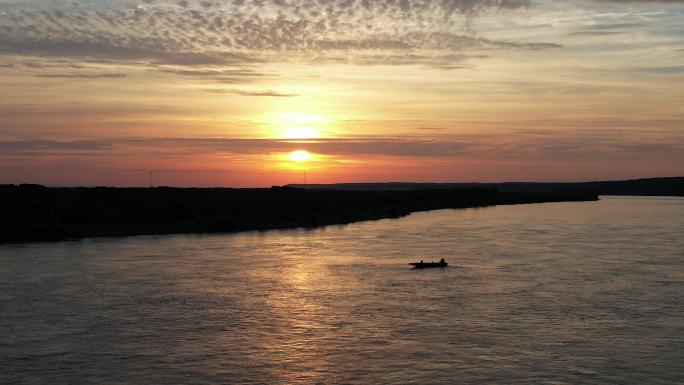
column 259, row 230
column 30, row 213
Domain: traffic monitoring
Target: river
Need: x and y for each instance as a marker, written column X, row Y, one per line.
column 553, row 293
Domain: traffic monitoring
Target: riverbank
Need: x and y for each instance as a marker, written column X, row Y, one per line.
column 36, row 213
column 668, row 186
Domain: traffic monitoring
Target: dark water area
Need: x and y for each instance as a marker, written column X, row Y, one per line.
column 553, row 293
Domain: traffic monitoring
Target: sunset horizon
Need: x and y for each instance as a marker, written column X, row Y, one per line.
column 153, row 179
column 362, row 192
column 204, row 93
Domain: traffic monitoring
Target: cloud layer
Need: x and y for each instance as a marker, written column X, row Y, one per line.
column 243, row 32
column 539, row 144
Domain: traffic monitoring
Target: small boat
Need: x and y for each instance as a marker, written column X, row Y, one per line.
column 425, row 265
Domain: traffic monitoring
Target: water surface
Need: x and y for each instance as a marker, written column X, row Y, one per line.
column 555, row 293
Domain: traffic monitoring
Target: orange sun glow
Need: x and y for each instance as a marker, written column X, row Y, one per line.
column 299, row 156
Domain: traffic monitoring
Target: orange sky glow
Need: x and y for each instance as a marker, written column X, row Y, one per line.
column 261, row 93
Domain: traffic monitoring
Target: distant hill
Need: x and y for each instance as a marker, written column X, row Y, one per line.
column 673, row 186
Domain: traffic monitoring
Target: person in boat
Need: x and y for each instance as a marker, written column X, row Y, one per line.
column 441, row 261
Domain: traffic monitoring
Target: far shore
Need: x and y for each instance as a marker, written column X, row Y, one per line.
column 30, row 213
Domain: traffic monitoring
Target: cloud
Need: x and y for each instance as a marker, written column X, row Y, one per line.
column 605, row 29
column 640, row 1
column 336, row 146
column 528, row 144
column 611, row 27
column 242, row 33
column 82, row 75
column 105, row 49
column 224, row 76
column 355, row 146
column 595, row 33
column 662, row 70
column 266, row 93
column 38, row 145
column 455, row 67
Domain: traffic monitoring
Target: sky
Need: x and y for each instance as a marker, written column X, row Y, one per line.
column 255, row 93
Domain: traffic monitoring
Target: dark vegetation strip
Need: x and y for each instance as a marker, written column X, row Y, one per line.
column 670, row 186
column 37, row 213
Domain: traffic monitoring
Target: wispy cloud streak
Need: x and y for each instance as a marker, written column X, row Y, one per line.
column 527, row 144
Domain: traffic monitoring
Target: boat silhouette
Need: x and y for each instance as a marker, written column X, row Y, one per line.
column 425, row 265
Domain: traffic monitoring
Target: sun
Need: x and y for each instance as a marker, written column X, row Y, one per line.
column 299, row 156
